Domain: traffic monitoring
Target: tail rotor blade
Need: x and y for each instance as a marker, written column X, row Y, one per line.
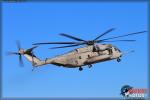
column 17, row 53
column 18, row 45
column 21, row 61
column 12, row 53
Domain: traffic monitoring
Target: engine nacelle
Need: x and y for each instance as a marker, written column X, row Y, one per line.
column 101, row 47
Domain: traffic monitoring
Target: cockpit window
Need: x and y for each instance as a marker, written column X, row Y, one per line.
column 116, row 49
column 80, row 57
column 119, row 50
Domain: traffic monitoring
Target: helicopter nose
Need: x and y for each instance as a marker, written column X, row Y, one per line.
column 120, row 54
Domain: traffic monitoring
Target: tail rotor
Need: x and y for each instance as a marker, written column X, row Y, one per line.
column 19, row 53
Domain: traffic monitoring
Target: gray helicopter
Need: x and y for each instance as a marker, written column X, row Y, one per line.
column 90, row 54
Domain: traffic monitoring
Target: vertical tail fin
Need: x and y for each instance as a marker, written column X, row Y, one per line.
column 29, row 55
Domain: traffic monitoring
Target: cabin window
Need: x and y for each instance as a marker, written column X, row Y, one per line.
column 76, row 50
column 97, row 48
column 80, row 57
column 110, row 51
column 115, row 49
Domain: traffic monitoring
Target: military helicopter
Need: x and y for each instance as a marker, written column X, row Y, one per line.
column 90, row 54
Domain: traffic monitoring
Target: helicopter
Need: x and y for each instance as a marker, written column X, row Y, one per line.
column 93, row 51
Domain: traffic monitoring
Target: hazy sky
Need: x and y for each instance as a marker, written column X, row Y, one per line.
column 41, row 22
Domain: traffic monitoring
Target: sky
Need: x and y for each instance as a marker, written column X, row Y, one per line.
column 42, row 22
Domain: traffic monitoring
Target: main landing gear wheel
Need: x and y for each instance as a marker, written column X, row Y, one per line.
column 80, row 68
column 118, row 59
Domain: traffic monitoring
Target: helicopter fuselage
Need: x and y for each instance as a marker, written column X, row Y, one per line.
column 86, row 56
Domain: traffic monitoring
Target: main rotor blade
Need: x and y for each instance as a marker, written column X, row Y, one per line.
column 121, row 36
column 104, row 33
column 66, row 46
column 72, row 37
column 55, row 43
column 120, row 41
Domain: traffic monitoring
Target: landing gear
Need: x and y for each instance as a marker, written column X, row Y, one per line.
column 80, row 68
column 90, row 66
column 118, row 59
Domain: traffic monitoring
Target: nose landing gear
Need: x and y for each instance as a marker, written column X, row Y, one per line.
column 118, row 59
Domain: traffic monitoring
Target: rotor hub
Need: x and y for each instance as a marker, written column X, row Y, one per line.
column 90, row 42
column 22, row 51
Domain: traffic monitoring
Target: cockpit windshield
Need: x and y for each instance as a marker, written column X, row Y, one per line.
column 116, row 49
